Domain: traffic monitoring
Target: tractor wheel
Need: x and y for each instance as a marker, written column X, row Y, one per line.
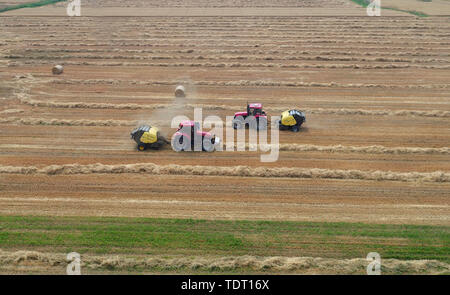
column 179, row 144
column 295, row 128
column 141, row 147
column 238, row 123
column 207, row 145
column 262, row 124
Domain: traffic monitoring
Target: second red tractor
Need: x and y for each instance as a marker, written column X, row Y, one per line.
column 255, row 117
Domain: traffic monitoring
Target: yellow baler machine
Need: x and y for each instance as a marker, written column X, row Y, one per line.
column 147, row 136
column 292, row 120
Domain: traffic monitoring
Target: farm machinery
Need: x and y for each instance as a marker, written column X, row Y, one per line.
column 188, row 137
column 147, row 136
column 255, row 117
column 292, row 120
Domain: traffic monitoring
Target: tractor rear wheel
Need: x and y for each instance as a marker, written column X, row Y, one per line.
column 180, row 144
column 239, row 123
column 207, row 145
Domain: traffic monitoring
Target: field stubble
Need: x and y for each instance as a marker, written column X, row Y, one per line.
column 374, row 148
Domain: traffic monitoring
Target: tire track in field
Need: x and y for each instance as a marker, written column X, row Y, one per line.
column 66, row 122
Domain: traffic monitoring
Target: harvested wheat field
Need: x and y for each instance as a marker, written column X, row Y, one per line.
column 369, row 171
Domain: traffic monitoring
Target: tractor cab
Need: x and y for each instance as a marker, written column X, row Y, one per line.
column 255, row 109
column 186, row 125
column 192, row 128
column 254, row 114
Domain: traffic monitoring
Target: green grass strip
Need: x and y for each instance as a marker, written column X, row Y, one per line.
column 364, row 3
column 143, row 236
column 30, row 5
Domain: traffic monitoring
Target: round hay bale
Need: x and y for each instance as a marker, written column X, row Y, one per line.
column 57, row 70
column 180, row 91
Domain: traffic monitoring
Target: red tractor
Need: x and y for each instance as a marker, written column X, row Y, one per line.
column 188, row 137
column 254, row 118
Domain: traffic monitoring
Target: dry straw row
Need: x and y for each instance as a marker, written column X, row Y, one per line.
column 241, row 171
